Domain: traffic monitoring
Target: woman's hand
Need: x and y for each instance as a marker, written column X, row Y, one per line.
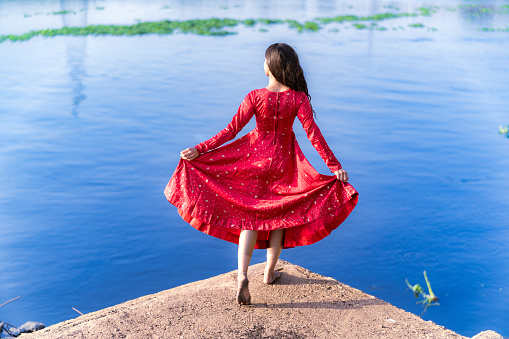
column 341, row 175
column 189, row 153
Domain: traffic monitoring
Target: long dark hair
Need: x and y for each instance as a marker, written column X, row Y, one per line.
column 284, row 65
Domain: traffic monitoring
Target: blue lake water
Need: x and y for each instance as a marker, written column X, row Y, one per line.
column 91, row 128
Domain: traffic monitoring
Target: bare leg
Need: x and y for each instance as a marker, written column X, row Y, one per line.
column 247, row 241
column 273, row 252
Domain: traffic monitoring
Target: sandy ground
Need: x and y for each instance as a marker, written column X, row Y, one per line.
column 300, row 304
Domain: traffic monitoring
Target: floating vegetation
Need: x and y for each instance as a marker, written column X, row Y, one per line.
column 64, row 12
column 200, row 27
column 373, row 27
column 487, row 29
column 430, row 299
column 249, row 22
column 360, row 26
column 221, row 27
column 308, row 25
column 428, row 11
column 377, row 17
column 270, row 21
column 212, row 26
column 504, row 130
column 477, row 8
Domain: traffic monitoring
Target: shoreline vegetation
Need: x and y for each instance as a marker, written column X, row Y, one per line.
column 222, row 27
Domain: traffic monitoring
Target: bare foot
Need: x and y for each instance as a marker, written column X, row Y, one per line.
column 269, row 278
column 243, row 296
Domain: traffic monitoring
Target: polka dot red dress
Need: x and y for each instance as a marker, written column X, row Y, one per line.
column 262, row 181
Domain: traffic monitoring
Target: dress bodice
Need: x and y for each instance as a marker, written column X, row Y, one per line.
column 275, row 113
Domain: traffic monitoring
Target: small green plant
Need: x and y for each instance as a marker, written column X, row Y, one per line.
column 430, row 299
column 504, row 130
column 311, row 26
column 64, row 12
column 270, row 21
column 249, row 22
column 359, row 26
column 486, row 29
column 428, row 11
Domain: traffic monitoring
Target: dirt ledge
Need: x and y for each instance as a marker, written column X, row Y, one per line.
column 301, row 304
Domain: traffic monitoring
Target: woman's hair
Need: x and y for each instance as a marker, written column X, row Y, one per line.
column 284, row 65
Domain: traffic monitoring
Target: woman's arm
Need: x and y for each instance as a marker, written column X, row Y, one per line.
column 305, row 115
column 244, row 114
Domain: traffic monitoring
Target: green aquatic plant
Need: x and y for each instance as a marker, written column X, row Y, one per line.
column 428, row 11
column 386, row 16
column 249, row 22
column 476, row 10
column 308, row 25
column 311, row 26
column 221, row 27
column 359, row 26
column 64, row 12
column 339, row 18
column 376, row 17
column 270, row 21
column 201, row 27
column 488, row 29
column 430, row 299
column 372, row 27
column 504, row 130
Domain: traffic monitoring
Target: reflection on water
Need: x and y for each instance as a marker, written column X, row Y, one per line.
column 76, row 49
column 411, row 113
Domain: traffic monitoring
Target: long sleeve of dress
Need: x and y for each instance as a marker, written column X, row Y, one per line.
column 244, row 114
column 305, row 115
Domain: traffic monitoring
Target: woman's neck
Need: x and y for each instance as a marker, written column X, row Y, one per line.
column 276, row 86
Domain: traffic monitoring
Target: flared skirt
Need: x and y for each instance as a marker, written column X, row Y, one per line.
column 263, row 182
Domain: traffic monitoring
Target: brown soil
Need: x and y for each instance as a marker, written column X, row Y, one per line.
column 300, row 304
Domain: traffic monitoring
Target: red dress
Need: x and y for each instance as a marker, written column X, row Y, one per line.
column 262, row 181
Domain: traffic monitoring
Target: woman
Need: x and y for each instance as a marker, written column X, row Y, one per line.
column 260, row 191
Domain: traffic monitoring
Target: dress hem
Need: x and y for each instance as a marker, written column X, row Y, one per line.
column 292, row 236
